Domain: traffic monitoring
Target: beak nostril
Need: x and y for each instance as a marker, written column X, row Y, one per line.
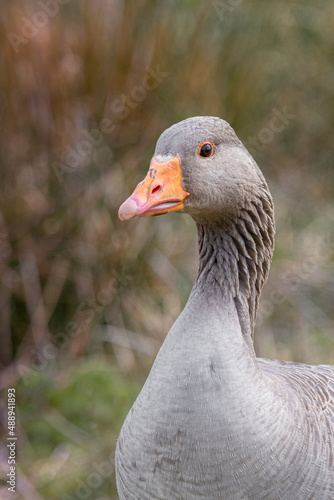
column 157, row 188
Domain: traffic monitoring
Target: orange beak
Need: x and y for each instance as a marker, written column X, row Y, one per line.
column 159, row 193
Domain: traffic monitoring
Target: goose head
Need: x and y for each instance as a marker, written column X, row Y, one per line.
column 199, row 167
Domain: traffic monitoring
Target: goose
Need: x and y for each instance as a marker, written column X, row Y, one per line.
column 212, row 420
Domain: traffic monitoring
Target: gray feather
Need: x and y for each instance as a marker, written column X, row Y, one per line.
column 212, row 421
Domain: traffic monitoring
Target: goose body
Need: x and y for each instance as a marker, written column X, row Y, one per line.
column 212, row 421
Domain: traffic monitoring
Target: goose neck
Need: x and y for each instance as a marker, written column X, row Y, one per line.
column 234, row 260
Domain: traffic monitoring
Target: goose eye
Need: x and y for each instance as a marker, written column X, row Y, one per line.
column 205, row 150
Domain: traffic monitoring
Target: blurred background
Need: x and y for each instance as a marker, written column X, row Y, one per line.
column 85, row 300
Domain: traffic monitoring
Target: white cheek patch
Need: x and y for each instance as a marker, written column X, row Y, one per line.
column 164, row 157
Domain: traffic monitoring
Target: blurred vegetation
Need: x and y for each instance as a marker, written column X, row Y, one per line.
column 85, row 301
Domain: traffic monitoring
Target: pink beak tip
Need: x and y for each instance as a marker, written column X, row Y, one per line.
column 128, row 210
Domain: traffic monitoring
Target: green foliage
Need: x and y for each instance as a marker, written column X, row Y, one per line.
column 71, row 420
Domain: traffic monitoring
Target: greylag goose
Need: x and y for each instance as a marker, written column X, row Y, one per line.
column 212, row 420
